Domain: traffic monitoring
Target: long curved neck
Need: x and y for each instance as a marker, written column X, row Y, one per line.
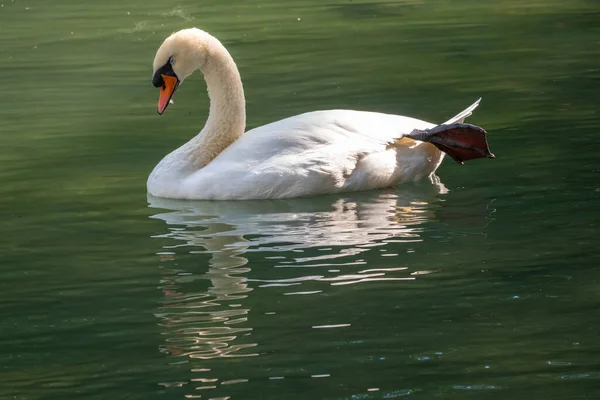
column 227, row 117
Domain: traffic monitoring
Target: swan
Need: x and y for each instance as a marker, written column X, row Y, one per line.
column 319, row 152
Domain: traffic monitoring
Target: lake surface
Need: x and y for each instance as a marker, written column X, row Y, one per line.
column 484, row 286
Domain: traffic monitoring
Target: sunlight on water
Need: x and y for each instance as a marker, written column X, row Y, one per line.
column 483, row 287
column 216, row 323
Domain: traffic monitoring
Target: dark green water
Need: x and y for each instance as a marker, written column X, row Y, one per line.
column 484, row 287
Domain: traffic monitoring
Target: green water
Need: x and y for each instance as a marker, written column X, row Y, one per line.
column 486, row 286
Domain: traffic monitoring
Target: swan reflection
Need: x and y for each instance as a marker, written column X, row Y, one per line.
column 207, row 277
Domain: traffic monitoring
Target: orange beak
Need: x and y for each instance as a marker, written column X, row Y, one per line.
column 166, row 91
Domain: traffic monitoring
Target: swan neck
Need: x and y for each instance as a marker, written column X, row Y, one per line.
column 227, row 115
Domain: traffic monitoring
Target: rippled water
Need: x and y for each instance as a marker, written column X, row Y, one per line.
column 485, row 285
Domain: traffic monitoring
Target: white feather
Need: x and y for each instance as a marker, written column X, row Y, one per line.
column 314, row 153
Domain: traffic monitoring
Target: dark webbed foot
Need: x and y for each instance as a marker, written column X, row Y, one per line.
column 462, row 142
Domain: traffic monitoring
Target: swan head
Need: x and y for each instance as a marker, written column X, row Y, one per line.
column 177, row 58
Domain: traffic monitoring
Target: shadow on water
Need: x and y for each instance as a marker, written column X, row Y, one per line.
column 212, row 248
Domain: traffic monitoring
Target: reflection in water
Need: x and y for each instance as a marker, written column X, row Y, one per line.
column 202, row 328
column 325, row 234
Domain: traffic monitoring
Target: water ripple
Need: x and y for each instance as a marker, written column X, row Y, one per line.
column 204, row 313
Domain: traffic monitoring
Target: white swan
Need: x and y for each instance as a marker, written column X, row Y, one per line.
column 314, row 153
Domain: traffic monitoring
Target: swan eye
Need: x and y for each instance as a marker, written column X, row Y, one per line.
column 165, row 70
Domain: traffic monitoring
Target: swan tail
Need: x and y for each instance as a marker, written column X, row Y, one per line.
column 460, row 141
column 460, row 117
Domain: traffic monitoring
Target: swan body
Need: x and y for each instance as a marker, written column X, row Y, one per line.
column 314, row 153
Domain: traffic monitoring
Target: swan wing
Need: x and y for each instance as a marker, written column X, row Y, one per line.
column 313, row 153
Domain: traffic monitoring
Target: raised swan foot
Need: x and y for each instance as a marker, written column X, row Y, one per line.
column 462, row 142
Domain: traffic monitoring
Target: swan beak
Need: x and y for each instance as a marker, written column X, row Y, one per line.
column 167, row 90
